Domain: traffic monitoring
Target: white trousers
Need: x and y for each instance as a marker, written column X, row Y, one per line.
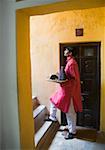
column 70, row 116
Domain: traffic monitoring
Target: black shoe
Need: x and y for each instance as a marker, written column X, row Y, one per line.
column 69, row 136
column 48, row 119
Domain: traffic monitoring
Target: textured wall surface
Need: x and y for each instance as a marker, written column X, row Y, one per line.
column 47, row 31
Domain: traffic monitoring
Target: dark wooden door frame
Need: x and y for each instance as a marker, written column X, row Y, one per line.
column 61, row 46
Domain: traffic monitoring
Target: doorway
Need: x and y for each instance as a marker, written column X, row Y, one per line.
column 87, row 56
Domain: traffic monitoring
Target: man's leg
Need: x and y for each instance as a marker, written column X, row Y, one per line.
column 71, row 120
column 53, row 111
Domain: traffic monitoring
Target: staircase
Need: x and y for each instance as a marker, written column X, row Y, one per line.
column 44, row 130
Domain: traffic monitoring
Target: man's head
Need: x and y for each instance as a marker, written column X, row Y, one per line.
column 68, row 51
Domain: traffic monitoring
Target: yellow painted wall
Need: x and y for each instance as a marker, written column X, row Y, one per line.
column 24, row 83
column 47, row 31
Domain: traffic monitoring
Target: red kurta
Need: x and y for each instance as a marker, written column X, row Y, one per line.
column 61, row 98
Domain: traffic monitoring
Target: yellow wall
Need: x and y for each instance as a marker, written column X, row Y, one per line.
column 24, row 83
column 47, row 31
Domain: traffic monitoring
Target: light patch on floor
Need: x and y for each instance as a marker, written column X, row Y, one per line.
column 59, row 143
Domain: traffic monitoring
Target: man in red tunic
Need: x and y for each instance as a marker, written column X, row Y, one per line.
column 67, row 98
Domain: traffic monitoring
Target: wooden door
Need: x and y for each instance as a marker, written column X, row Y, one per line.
column 88, row 58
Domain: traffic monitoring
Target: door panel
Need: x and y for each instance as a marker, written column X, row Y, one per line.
column 88, row 66
column 87, row 56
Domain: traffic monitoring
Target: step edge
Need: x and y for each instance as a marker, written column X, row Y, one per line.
column 43, row 130
column 38, row 110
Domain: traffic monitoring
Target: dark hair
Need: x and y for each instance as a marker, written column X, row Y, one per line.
column 70, row 49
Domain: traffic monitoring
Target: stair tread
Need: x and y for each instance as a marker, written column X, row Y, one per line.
column 42, row 131
column 38, row 110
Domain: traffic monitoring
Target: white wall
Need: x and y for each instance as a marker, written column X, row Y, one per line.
column 10, row 128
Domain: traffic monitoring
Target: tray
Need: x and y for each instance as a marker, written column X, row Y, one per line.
column 57, row 81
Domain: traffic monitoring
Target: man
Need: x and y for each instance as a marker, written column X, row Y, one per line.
column 67, row 98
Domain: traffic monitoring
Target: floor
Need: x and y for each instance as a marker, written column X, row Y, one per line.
column 96, row 142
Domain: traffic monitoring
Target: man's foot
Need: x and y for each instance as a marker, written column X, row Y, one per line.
column 69, row 136
column 50, row 118
column 65, row 129
column 64, row 133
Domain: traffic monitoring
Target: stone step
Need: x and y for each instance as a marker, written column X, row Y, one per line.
column 45, row 135
column 42, row 131
column 39, row 115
